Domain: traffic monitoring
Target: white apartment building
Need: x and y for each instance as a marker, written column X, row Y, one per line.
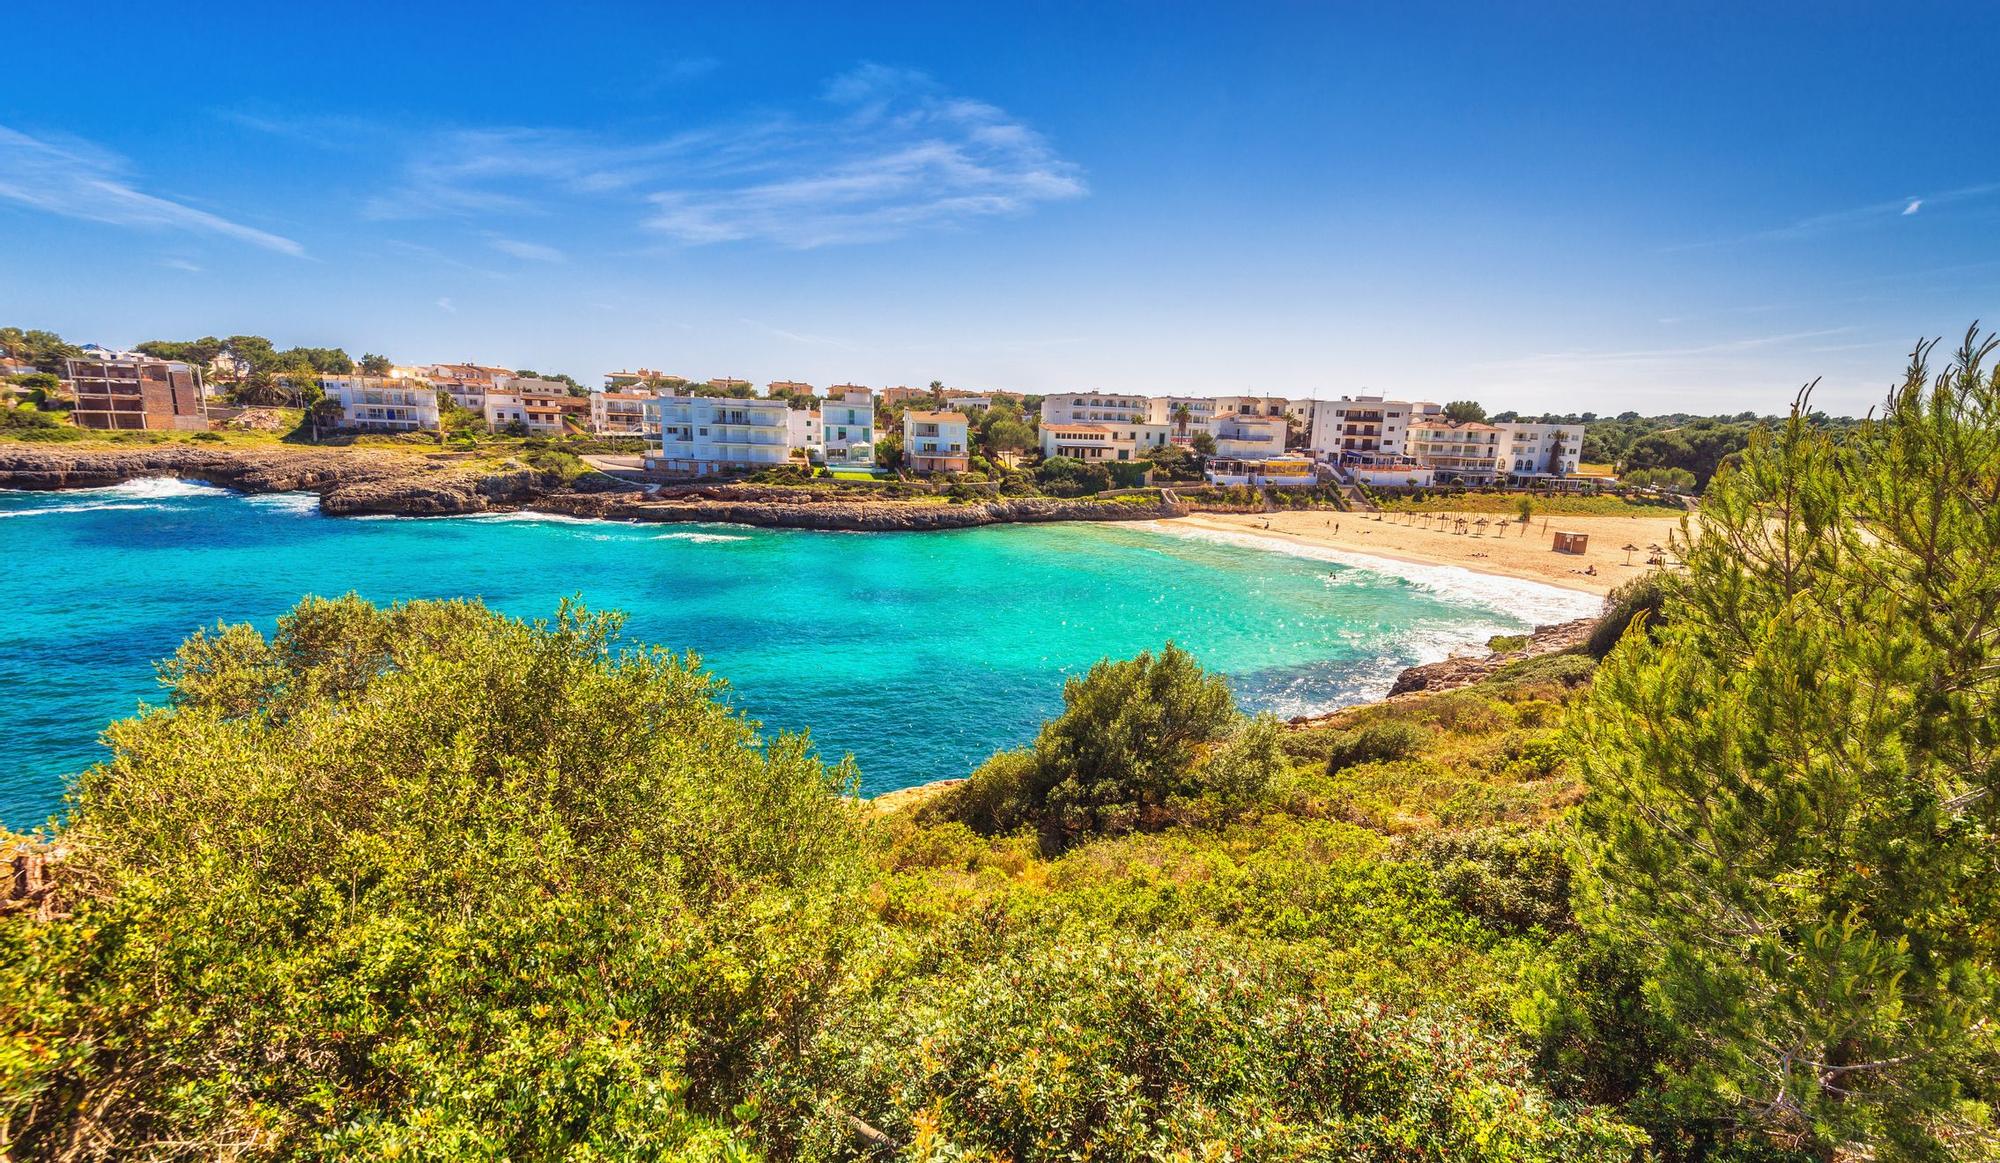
column 1252, row 406
column 1530, row 451
column 1183, row 416
column 1097, row 426
column 1456, row 452
column 466, row 383
column 710, row 435
column 381, row 404
column 624, row 413
column 936, row 442
column 847, row 427
column 1248, row 436
column 1365, row 429
column 1087, row 441
column 543, row 407
column 1096, row 408
column 804, row 431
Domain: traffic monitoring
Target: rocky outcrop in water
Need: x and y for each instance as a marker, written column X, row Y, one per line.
column 1468, row 669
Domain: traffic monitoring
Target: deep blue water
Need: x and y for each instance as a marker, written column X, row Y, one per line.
column 919, row 653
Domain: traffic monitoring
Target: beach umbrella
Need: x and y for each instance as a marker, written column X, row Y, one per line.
column 1629, row 550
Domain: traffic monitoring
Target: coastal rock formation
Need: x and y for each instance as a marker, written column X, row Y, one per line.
column 440, row 495
column 1468, row 669
column 869, row 515
column 250, row 470
column 357, row 482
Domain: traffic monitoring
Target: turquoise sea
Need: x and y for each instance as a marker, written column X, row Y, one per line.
column 919, row 653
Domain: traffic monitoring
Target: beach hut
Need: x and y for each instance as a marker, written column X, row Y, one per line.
column 1571, row 542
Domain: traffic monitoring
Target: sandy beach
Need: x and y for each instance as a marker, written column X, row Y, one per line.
column 1503, row 548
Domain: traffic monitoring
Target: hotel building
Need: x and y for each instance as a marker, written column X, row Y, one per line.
column 1536, row 451
column 1101, row 427
column 1364, row 430
column 1456, row 452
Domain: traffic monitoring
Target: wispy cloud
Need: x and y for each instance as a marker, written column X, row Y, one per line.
column 1720, row 347
column 444, row 304
column 76, row 180
column 531, row 251
column 885, row 153
column 807, row 339
column 1873, row 214
column 1756, row 369
column 181, row 264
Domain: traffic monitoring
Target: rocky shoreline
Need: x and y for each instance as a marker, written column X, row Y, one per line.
column 367, row 482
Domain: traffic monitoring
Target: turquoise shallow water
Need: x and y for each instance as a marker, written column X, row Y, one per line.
column 919, row 653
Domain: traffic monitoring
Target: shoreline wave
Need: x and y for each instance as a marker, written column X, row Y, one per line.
column 1538, row 602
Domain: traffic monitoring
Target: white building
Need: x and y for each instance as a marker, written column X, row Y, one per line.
column 543, row 407
column 1250, row 436
column 936, row 441
column 1096, row 408
column 628, row 412
column 1252, row 406
column 1365, row 429
column 847, row 427
column 1183, row 416
column 380, row 404
column 710, row 435
column 1097, row 426
column 466, row 383
column 804, row 431
column 1456, row 452
column 1533, row 451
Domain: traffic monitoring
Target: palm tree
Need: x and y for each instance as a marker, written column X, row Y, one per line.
column 1182, row 415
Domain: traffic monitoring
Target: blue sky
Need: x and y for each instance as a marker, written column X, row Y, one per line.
column 1546, row 206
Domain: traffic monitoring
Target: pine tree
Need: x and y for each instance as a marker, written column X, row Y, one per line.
column 1791, row 819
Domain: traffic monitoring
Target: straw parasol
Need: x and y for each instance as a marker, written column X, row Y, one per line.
column 1630, row 549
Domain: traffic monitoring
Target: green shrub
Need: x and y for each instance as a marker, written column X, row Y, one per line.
column 1645, row 595
column 1504, row 643
column 1374, row 743
column 1133, row 750
column 1565, row 669
column 1096, row 1045
column 426, row 882
column 1514, row 878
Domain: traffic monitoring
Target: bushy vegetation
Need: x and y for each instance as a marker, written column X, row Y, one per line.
column 425, row 881
column 1791, row 825
column 429, row 882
